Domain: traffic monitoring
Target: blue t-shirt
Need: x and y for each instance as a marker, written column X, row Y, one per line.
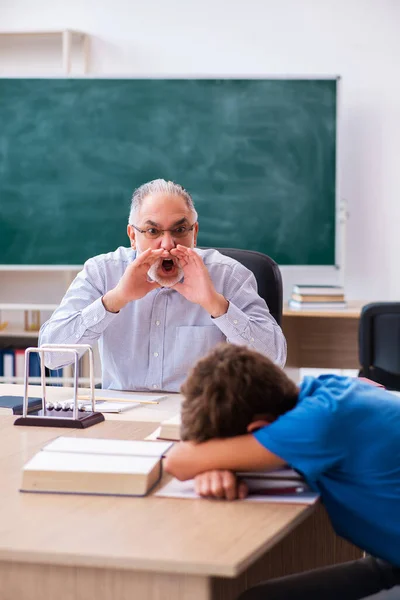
column 344, row 437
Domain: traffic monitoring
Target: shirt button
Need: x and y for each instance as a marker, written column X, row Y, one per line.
column 95, row 319
column 154, row 386
column 252, row 339
column 155, row 354
column 157, row 323
column 235, row 322
column 77, row 336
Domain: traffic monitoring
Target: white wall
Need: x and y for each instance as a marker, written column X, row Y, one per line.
column 357, row 39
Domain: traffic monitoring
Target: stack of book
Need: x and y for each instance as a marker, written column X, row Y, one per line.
column 317, row 297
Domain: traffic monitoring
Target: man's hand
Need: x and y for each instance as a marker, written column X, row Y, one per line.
column 134, row 283
column 220, row 484
column 197, row 286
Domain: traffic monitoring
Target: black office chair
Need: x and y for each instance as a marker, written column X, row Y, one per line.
column 267, row 274
column 379, row 343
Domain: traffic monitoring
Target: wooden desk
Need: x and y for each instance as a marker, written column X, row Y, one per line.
column 97, row 547
column 167, row 408
column 322, row 339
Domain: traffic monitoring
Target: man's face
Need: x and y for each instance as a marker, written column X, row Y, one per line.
column 160, row 212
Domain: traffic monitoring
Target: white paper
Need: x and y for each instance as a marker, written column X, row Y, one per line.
column 132, row 396
column 109, row 407
column 154, row 435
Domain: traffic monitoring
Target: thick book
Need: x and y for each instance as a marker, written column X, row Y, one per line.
column 317, row 305
column 12, row 405
column 170, row 429
column 316, row 298
column 319, row 290
column 283, row 473
column 70, row 465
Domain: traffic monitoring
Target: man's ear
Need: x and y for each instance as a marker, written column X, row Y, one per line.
column 196, row 231
column 254, row 425
column 131, row 235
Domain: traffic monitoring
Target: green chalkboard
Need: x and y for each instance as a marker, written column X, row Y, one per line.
column 257, row 155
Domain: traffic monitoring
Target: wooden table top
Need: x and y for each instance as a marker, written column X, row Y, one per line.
column 152, row 534
column 352, row 311
column 156, row 413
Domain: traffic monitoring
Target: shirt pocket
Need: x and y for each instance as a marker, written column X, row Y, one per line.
column 191, row 343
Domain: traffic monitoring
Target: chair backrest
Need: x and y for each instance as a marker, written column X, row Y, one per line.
column 379, row 343
column 267, row 274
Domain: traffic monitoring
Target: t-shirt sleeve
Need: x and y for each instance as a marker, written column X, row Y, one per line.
column 307, row 438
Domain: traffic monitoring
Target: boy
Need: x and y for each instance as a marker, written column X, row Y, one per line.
column 241, row 412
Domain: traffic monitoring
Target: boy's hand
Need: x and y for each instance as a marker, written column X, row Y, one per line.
column 220, row 484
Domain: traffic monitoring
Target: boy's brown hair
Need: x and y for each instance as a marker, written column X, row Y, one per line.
column 228, row 389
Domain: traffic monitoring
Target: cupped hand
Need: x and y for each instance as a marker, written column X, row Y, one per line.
column 134, row 283
column 197, row 286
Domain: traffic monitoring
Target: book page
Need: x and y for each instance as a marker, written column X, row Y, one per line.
column 91, row 463
column 154, row 435
column 107, row 447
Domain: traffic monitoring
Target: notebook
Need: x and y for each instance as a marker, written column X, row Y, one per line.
column 71, row 465
column 261, row 489
column 12, row 405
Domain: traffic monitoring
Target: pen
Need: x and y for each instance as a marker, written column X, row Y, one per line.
column 119, row 400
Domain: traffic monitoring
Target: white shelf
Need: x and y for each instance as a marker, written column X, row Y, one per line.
column 18, row 332
column 28, row 306
column 49, row 380
column 67, row 38
column 13, row 329
column 44, row 32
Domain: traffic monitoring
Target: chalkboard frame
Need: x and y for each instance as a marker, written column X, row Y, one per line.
column 340, row 208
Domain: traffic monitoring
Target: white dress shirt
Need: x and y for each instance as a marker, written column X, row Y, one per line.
column 152, row 342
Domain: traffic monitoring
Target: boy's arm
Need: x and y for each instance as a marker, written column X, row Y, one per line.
column 242, row 453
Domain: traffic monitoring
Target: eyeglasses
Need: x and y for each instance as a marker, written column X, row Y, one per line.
column 152, row 233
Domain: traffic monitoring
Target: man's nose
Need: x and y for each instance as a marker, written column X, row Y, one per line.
column 167, row 241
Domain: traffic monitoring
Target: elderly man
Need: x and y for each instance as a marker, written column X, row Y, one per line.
column 159, row 306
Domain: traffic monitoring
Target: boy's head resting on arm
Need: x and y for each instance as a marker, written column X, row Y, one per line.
column 231, row 388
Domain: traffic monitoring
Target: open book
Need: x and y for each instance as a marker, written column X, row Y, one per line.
column 95, row 466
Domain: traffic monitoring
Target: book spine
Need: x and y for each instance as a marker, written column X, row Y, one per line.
column 8, row 365
column 318, row 290
column 19, row 363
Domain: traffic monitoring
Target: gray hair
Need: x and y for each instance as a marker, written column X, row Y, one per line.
column 155, row 187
